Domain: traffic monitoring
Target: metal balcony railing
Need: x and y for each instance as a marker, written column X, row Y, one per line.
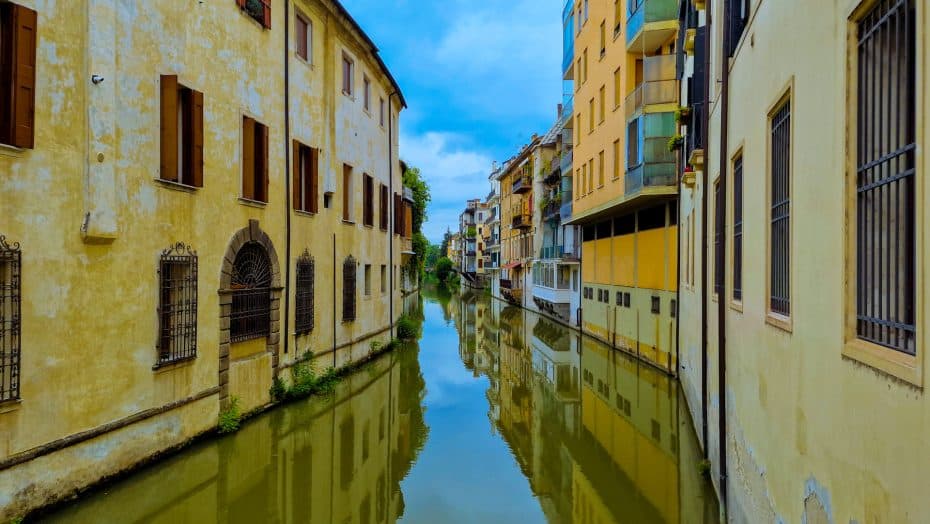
column 552, row 210
column 522, row 219
column 551, row 252
column 522, row 184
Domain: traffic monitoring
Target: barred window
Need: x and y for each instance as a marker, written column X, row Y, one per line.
column 303, row 300
column 349, row 270
column 177, row 304
column 780, row 262
column 738, row 228
column 886, row 174
column 10, row 267
column 251, row 284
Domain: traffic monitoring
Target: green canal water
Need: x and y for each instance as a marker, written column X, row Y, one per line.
column 496, row 415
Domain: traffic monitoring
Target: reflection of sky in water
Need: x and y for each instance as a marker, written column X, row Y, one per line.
column 465, row 473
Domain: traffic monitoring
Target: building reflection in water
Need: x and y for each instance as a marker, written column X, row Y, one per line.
column 600, row 436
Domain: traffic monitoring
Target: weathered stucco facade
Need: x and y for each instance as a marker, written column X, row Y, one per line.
column 92, row 215
column 819, row 425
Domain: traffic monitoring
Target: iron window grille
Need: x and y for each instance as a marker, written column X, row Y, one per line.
column 349, row 269
column 177, row 304
column 251, row 285
column 738, row 228
column 10, row 304
column 886, row 176
column 656, row 305
column 780, row 269
column 303, row 300
column 626, row 300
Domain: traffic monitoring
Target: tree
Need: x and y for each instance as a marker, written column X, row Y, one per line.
column 443, row 269
column 421, row 199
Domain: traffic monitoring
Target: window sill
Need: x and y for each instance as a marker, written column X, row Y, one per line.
column 176, row 186
column 736, row 305
column 779, row 321
column 348, row 222
column 888, row 361
column 306, row 61
column 368, row 226
column 301, row 212
column 252, row 203
column 9, row 406
column 348, row 94
column 171, row 365
column 8, row 150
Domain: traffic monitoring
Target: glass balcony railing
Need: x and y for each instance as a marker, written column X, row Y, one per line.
column 565, row 163
column 642, row 12
column 650, row 162
column 634, row 103
column 659, row 87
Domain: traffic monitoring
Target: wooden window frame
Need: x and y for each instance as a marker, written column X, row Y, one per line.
column 181, row 133
column 385, row 202
column 774, row 318
column 254, row 161
column 303, row 47
column 368, row 200
column 348, row 75
column 366, row 93
column 382, row 113
column 18, row 49
column 305, row 186
column 366, row 288
column 248, row 8
column 348, row 200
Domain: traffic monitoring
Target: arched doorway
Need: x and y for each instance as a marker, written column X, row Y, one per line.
column 250, row 298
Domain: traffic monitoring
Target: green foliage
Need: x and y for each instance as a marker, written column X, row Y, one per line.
column 407, row 328
column 675, row 142
column 278, row 389
column 444, row 269
column 17, row 520
column 421, row 196
column 375, row 345
column 433, row 254
column 305, row 382
column 230, row 418
column 471, row 232
column 682, row 114
column 704, row 468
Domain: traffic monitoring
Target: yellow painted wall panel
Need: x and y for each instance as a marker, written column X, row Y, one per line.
column 625, row 260
column 650, row 258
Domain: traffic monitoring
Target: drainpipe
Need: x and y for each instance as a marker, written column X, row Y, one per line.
column 394, row 214
column 705, row 432
column 721, row 257
column 334, row 300
column 287, row 179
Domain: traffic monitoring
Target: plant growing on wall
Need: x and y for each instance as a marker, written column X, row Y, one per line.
column 675, row 142
column 230, row 418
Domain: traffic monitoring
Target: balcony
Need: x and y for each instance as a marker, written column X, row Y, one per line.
column 406, row 246
column 552, row 210
column 506, row 283
column 660, row 87
column 522, row 184
column 551, row 252
column 565, row 211
column 514, row 296
column 565, row 163
column 650, row 23
column 521, row 219
column 568, row 38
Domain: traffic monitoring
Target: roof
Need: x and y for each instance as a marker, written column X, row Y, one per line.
column 552, row 136
column 374, row 50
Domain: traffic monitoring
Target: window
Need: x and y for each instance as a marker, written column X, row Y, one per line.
column 177, row 304
column 254, row 160
column 251, row 285
column 616, row 173
column 260, row 10
column 584, row 63
column 626, row 300
column 348, row 289
column 385, row 207
column 618, row 12
column 384, row 284
column 600, row 169
column 590, row 175
column 367, row 93
column 603, row 100
column 585, row 10
column 619, row 299
column 10, row 300
column 738, row 228
column 632, row 144
column 368, row 200
column 618, row 88
column 737, row 18
column 591, row 116
column 656, row 305
column 348, row 75
column 18, row 43
column 718, row 239
column 398, row 214
column 347, row 210
column 304, row 37
column 382, row 112
column 578, row 73
column 886, row 228
column 780, row 234
column 303, row 295
column 603, row 39
column 367, row 280
column 306, row 178
column 578, row 127
column 673, row 308
column 181, row 133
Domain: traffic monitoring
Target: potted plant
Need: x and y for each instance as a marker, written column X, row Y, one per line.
column 675, row 142
column 682, row 114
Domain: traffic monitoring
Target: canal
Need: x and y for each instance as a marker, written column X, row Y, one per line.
column 496, row 415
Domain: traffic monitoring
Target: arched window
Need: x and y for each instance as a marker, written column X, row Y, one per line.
column 303, row 300
column 348, row 289
column 251, row 285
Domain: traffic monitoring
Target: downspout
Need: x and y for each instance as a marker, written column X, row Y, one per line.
column 334, row 300
column 390, row 111
column 287, row 178
column 705, row 432
column 721, row 258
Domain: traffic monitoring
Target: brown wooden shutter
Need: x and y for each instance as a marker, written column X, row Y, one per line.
column 169, row 128
column 25, row 22
column 264, row 165
column 301, row 37
column 196, row 109
column 314, row 184
column 348, row 289
column 248, row 158
column 398, row 209
column 241, row 3
column 295, row 189
column 266, row 18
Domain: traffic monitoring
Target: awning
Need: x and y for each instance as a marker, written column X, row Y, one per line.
column 512, row 265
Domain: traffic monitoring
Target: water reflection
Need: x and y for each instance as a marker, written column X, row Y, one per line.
column 525, row 422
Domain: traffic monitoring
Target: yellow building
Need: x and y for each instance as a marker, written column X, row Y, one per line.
column 194, row 195
column 517, row 229
column 810, row 210
column 625, row 176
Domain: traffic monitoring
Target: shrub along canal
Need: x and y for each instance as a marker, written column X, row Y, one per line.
column 496, row 415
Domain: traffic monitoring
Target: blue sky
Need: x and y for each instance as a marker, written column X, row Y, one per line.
column 480, row 77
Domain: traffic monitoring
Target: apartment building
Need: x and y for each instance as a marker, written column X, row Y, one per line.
column 516, row 201
column 804, row 268
column 171, row 238
column 625, row 175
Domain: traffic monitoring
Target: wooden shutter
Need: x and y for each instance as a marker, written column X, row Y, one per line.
column 169, row 128
column 248, row 158
column 301, row 37
column 241, row 3
column 196, row 109
column 263, row 185
column 295, row 189
column 348, row 289
column 369, row 218
column 398, row 207
column 313, row 185
column 266, row 18
column 24, row 41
